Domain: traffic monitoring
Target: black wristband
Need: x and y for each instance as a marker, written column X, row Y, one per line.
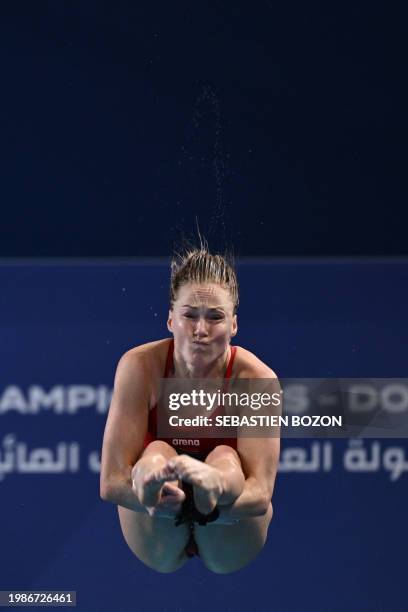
column 203, row 519
column 189, row 514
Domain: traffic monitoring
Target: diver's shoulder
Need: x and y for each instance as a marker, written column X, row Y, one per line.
column 149, row 354
column 249, row 365
column 149, row 348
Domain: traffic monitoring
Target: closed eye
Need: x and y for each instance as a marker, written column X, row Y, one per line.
column 213, row 317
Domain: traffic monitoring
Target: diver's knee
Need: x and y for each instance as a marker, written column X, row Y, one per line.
column 223, row 451
column 159, row 448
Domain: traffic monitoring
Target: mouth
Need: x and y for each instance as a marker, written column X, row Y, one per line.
column 197, row 343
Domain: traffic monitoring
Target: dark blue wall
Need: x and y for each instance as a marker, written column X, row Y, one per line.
column 337, row 541
column 281, row 126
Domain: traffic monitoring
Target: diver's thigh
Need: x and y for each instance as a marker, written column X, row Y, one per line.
column 156, row 542
column 227, row 548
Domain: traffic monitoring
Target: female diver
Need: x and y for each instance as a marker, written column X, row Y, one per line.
column 214, row 499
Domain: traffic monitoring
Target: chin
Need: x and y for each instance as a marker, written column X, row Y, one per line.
column 202, row 352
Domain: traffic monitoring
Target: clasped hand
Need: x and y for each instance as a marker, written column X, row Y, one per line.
column 169, row 503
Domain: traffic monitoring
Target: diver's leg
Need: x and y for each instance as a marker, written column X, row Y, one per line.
column 155, row 541
column 227, row 548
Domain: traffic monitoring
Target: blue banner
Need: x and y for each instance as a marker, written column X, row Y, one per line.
column 338, row 538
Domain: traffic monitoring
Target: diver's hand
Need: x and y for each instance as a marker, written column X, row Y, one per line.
column 169, row 504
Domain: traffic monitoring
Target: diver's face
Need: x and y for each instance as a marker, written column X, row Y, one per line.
column 202, row 321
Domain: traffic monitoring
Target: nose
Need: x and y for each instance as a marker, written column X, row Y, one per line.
column 200, row 330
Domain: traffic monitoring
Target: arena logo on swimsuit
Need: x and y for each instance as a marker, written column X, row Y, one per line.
column 183, row 442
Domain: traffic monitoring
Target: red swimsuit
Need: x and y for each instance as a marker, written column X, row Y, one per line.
column 202, row 446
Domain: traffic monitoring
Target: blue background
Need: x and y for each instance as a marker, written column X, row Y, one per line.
column 281, row 125
column 337, row 542
column 282, row 128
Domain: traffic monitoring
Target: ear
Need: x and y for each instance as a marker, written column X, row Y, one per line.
column 170, row 321
column 234, row 326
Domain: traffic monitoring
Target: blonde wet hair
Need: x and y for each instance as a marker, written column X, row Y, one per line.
column 198, row 265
